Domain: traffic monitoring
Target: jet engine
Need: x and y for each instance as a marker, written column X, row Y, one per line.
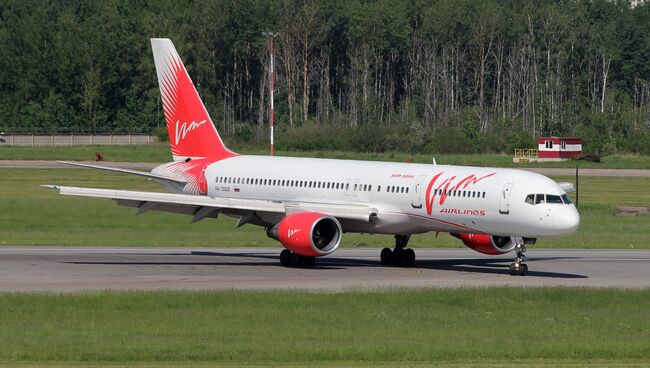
column 309, row 234
column 487, row 244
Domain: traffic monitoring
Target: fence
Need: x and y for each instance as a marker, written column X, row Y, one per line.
column 52, row 140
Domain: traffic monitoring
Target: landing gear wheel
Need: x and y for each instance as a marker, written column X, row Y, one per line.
column 519, row 268
column 285, row 257
column 408, row 257
column 296, row 259
column 386, row 256
column 400, row 254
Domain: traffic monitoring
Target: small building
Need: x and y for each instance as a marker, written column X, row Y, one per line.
column 550, row 149
column 559, row 148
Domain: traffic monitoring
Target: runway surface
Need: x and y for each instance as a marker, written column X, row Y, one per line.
column 79, row 269
column 41, row 164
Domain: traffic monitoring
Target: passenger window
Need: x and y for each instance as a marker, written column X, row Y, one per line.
column 530, row 199
column 539, row 198
column 355, row 187
column 407, row 190
column 379, row 188
column 370, row 187
column 483, row 194
column 347, row 186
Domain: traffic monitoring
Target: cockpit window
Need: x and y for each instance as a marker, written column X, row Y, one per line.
column 547, row 198
column 530, row 199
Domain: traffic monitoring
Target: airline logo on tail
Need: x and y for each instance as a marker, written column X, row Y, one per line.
column 184, row 129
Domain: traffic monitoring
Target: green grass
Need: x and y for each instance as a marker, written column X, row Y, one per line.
column 537, row 325
column 36, row 216
column 160, row 153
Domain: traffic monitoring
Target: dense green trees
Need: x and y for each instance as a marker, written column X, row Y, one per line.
column 439, row 75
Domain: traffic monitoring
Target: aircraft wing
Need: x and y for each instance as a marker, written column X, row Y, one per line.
column 200, row 207
column 127, row 171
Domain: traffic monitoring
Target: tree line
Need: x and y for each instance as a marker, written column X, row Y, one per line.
column 413, row 75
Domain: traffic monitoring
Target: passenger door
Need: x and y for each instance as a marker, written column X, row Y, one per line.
column 504, row 199
column 416, row 197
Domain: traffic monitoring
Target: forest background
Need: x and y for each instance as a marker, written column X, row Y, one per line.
column 446, row 76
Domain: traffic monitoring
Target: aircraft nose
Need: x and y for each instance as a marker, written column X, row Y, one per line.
column 566, row 220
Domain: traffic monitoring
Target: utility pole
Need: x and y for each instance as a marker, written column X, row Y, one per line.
column 270, row 38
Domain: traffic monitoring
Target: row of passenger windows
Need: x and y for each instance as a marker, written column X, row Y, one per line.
column 308, row 184
column 460, row 193
column 340, row 186
column 547, row 198
column 294, row 183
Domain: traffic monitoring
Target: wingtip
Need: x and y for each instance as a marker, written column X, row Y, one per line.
column 50, row 186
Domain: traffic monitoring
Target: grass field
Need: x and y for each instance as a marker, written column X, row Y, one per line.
column 502, row 326
column 35, row 216
column 160, row 153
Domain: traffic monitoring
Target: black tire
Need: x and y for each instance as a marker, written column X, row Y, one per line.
column 398, row 257
column 285, row 257
column 513, row 270
column 296, row 259
column 523, row 270
column 408, row 257
column 386, row 256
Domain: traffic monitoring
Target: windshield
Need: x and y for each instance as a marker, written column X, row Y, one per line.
column 534, row 199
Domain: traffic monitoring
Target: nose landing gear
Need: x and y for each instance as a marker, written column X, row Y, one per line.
column 518, row 267
column 400, row 255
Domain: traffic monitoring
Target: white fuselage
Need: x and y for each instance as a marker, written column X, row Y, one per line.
column 408, row 198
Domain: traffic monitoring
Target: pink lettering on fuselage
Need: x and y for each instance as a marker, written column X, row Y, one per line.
column 446, row 186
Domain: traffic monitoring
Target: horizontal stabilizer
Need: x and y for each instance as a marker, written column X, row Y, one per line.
column 127, row 171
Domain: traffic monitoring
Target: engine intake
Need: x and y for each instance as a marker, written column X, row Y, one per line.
column 487, row 244
column 309, row 234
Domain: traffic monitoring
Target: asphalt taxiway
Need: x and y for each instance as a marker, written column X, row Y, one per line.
column 71, row 269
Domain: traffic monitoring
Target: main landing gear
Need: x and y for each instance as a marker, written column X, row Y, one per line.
column 289, row 258
column 400, row 255
column 518, row 267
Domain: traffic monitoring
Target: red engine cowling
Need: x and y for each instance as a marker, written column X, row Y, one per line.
column 309, row 234
column 487, row 244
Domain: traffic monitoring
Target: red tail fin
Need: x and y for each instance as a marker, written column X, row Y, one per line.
column 192, row 133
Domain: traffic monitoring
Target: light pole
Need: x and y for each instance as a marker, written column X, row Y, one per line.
column 270, row 37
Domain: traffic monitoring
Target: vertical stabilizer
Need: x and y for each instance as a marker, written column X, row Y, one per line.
column 192, row 133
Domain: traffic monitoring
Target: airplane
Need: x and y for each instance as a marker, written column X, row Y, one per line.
column 307, row 204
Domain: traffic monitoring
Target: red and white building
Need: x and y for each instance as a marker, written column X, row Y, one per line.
column 559, row 148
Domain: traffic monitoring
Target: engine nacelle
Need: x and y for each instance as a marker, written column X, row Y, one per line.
column 487, row 244
column 309, row 234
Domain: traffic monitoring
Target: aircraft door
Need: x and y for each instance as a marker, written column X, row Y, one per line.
column 504, row 199
column 203, row 183
column 416, row 196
